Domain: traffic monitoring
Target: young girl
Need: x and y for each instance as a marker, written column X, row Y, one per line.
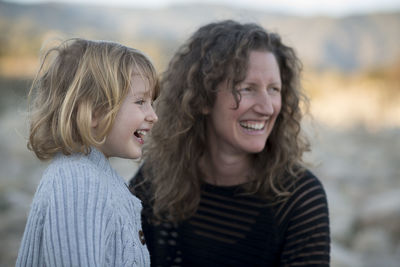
column 91, row 100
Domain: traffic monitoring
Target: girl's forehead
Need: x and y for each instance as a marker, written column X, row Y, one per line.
column 148, row 81
column 141, row 85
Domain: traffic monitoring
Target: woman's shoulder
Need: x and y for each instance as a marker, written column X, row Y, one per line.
column 303, row 181
column 137, row 178
column 139, row 186
column 306, row 192
column 309, row 177
column 304, row 222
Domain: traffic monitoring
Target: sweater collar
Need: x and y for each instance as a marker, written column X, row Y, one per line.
column 100, row 160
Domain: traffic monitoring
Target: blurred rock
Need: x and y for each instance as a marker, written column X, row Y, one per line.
column 382, row 210
column 344, row 257
column 341, row 211
column 373, row 242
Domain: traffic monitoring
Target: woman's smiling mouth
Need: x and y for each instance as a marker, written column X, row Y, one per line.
column 252, row 126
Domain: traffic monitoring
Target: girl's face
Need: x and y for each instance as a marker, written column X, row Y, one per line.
column 134, row 120
column 246, row 129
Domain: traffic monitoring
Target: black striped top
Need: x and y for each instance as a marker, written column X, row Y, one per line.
column 232, row 229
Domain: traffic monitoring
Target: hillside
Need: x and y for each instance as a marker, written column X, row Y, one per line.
column 350, row 43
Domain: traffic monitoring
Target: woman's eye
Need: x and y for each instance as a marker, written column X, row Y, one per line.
column 275, row 89
column 246, row 89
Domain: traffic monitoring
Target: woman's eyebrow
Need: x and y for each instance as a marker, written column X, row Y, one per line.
column 254, row 83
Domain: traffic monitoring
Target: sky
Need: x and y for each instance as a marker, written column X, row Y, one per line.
column 299, row 7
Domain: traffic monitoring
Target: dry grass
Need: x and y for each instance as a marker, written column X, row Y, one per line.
column 360, row 99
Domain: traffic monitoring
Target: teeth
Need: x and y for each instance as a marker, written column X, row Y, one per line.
column 141, row 132
column 252, row 126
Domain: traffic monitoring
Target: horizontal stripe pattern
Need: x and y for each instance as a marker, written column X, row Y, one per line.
column 304, row 221
column 232, row 229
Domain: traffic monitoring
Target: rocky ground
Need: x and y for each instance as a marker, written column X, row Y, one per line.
column 359, row 168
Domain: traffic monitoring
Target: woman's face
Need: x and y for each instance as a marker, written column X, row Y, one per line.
column 246, row 129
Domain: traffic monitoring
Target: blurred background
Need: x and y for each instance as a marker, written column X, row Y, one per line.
column 351, row 56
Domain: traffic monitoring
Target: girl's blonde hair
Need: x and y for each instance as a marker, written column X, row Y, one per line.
column 77, row 80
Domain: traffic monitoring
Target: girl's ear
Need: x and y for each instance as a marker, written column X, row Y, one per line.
column 95, row 119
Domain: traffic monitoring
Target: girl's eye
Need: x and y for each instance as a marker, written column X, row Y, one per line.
column 140, row 102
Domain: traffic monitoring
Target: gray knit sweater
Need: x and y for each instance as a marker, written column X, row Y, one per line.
column 83, row 215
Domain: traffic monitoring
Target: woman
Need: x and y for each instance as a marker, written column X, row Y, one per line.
column 223, row 182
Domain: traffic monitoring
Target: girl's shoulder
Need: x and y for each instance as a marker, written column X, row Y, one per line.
column 73, row 166
column 75, row 181
column 73, row 173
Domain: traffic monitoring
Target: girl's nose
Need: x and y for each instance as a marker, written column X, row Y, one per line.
column 152, row 116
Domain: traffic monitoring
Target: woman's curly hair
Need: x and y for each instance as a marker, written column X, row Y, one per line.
column 218, row 52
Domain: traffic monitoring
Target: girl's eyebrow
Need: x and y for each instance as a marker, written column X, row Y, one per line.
column 142, row 93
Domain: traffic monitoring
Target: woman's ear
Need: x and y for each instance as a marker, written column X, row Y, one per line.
column 205, row 111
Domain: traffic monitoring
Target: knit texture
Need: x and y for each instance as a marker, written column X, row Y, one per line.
column 83, row 215
column 233, row 229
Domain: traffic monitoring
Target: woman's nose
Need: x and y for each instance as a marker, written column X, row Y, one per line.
column 263, row 103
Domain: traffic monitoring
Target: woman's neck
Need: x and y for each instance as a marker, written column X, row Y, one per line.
column 225, row 169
